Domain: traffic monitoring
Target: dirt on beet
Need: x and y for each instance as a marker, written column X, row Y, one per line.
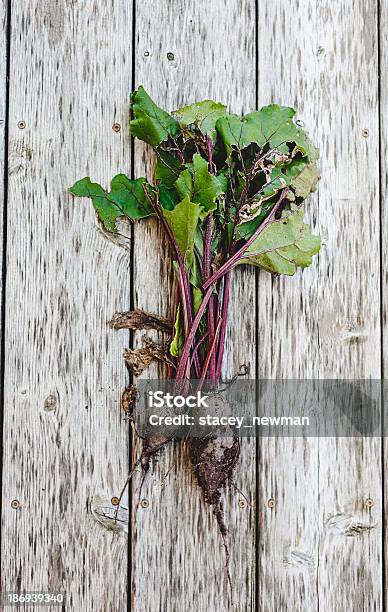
column 214, row 460
column 152, row 446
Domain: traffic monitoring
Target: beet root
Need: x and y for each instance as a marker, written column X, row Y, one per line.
column 214, row 460
column 152, row 444
column 151, row 447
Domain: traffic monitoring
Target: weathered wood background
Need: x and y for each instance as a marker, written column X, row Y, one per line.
column 66, row 70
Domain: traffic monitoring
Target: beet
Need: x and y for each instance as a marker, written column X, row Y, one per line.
column 246, row 210
column 214, row 459
column 151, row 447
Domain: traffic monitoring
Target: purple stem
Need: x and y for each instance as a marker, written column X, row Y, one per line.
column 189, row 340
column 184, row 280
column 185, row 292
column 184, row 276
column 179, row 151
column 184, row 303
column 199, row 342
column 208, row 357
column 228, row 265
column 224, row 317
column 206, row 275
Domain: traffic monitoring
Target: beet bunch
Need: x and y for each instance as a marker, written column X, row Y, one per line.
column 228, row 190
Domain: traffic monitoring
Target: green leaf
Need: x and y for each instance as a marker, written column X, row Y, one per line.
column 246, row 229
column 272, row 124
column 203, row 115
column 183, row 221
column 278, row 127
column 199, row 185
column 198, row 241
column 284, row 245
column 195, row 271
column 306, row 182
column 197, row 299
column 283, row 175
column 150, row 123
column 237, row 132
column 178, row 341
column 168, row 198
column 167, row 169
column 129, row 196
column 298, row 174
column 125, row 199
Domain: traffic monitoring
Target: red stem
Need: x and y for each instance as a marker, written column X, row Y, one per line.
column 208, row 357
column 189, row 340
column 176, row 306
column 183, row 276
column 199, row 342
column 207, row 254
column 185, row 288
column 184, row 303
column 209, row 146
column 206, row 275
column 224, row 317
column 228, row 265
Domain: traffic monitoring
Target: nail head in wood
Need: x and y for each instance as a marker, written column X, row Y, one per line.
column 21, row 125
column 50, row 403
column 115, row 501
column 271, row 503
column 144, row 503
column 242, row 503
column 369, row 503
column 15, row 504
column 116, row 127
column 365, row 133
column 170, row 56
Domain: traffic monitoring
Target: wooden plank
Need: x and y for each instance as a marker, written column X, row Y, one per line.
column 65, row 443
column 383, row 23
column 177, row 555
column 3, row 104
column 352, row 339
column 325, row 323
column 287, row 343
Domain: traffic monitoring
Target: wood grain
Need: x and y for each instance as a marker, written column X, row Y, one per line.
column 3, row 104
column 326, row 322
column 65, row 443
column 287, row 343
column 177, row 554
column 383, row 23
